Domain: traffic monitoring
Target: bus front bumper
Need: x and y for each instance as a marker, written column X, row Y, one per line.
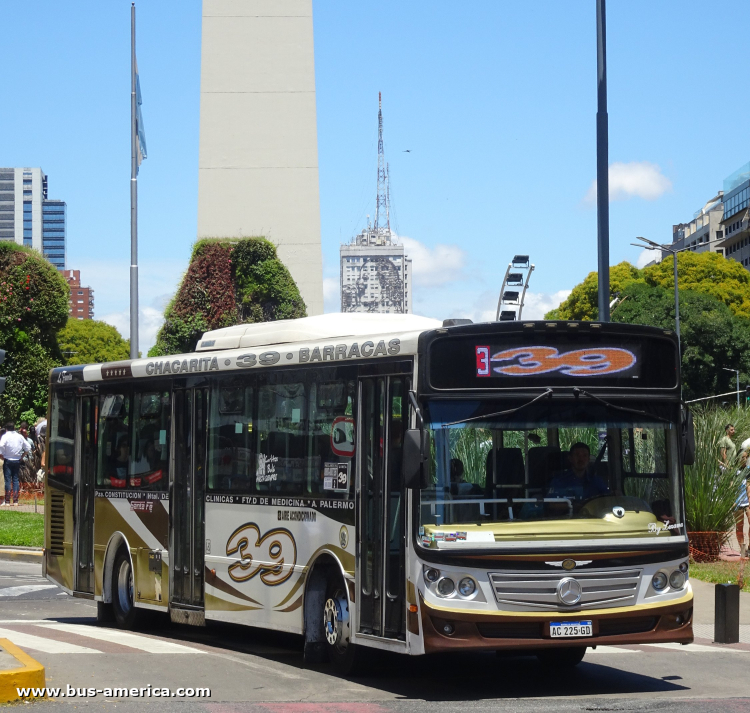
column 448, row 629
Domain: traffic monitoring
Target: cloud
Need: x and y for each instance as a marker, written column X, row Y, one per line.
column 149, row 321
column 434, row 267
column 646, row 257
column 331, row 297
column 637, row 178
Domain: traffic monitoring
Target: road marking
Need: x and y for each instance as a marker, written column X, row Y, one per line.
column 124, row 638
column 692, row 647
column 25, row 589
column 48, row 646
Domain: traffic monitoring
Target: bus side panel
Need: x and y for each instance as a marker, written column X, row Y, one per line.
column 145, row 531
column 257, row 558
column 58, row 536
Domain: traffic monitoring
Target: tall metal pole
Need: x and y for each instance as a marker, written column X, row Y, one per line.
column 602, row 161
column 133, row 198
column 677, row 308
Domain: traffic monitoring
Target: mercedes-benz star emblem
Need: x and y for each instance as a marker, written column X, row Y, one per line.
column 569, row 591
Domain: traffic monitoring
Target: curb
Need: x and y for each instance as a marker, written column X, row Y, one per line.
column 22, row 554
column 29, row 674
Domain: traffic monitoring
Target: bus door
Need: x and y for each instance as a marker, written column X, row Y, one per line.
column 83, row 506
column 186, row 507
column 381, row 572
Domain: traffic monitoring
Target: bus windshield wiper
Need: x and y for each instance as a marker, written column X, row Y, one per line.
column 547, row 392
column 578, row 391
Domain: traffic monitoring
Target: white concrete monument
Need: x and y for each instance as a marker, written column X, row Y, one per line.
column 258, row 163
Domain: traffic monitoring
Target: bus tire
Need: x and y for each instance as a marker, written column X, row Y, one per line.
column 561, row 658
column 123, row 603
column 104, row 613
column 342, row 653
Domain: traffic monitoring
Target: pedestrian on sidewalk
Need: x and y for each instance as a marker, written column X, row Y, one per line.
column 12, row 447
column 727, row 449
column 742, row 505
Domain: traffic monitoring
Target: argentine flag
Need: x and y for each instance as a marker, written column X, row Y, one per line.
column 140, row 139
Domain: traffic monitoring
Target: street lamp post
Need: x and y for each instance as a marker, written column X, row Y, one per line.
column 737, row 372
column 651, row 245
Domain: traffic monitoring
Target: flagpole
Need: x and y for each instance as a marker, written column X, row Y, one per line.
column 133, row 197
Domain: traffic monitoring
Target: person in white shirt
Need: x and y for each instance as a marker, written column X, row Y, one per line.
column 12, row 447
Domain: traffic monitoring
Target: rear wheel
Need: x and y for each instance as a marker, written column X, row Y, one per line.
column 562, row 658
column 123, row 603
column 342, row 653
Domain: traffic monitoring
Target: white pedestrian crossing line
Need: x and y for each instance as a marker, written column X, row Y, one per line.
column 24, row 589
column 124, row 638
column 48, row 646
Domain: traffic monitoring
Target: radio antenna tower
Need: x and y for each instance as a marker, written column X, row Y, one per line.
column 382, row 199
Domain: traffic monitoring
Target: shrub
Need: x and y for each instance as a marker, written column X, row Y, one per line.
column 227, row 282
column 33, row 307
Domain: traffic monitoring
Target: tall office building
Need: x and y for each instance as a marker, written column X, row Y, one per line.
column 28, row 217
column 258, row 155
column 375, row 271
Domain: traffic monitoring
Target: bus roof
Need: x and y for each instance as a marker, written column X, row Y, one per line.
column 310, row 329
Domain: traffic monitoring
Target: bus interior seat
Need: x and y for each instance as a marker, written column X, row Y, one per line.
column 509, row 470
column 543, row 462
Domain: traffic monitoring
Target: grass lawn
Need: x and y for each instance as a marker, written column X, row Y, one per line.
column 720, row 572
column 21, row 528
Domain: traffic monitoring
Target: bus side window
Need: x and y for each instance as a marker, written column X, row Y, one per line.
column 62, row 438
column 149, row 463
column 114, row 440
column 281, row 462
column 331, row 436
column 231, row 459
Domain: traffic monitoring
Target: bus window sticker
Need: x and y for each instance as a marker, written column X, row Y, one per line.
column 342, row 436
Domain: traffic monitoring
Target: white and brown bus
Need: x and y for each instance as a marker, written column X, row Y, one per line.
column 384, row 481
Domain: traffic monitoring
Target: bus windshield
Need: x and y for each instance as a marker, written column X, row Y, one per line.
column 561, row 469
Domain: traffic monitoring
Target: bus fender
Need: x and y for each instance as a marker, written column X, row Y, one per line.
column 319, row 573
column 116, row 541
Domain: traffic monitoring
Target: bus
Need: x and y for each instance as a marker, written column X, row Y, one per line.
column 382, row 481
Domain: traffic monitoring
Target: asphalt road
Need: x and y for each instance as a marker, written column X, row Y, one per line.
column 250, row 670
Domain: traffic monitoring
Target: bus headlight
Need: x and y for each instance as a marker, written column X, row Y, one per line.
column 445, row 587
column 659, row 581
column 431, row 574
column 684, row 568
column 466, row 587
column 677, row 579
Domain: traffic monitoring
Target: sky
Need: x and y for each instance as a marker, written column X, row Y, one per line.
column 489, row 123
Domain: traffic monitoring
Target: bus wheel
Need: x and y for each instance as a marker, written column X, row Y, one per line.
column 561, row 658
column 337, row 629
column 122, row 591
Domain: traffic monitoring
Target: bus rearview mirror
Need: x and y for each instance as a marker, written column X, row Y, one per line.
column 416, row 450
column 688, row 438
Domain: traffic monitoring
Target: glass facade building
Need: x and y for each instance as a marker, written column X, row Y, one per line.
column 53, row 232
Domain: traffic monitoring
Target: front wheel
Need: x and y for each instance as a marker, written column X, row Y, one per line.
column 561, row 658
column 123, row 604
column 342, row 653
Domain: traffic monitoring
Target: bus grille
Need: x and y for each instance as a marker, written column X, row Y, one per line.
column 57, row 523
column 600, row 588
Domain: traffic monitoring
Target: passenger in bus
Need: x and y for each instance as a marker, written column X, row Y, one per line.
column 458, row 485
column 579, row 481
column 117, row 467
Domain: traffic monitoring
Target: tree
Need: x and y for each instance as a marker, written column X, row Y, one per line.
column 228, row 281
column 33, row 307
column 87, row 341
column 712, row 338
column 705, row 273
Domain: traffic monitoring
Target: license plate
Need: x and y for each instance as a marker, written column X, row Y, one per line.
column 565, row 629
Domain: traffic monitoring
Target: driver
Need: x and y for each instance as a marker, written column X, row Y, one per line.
column 579, row 481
